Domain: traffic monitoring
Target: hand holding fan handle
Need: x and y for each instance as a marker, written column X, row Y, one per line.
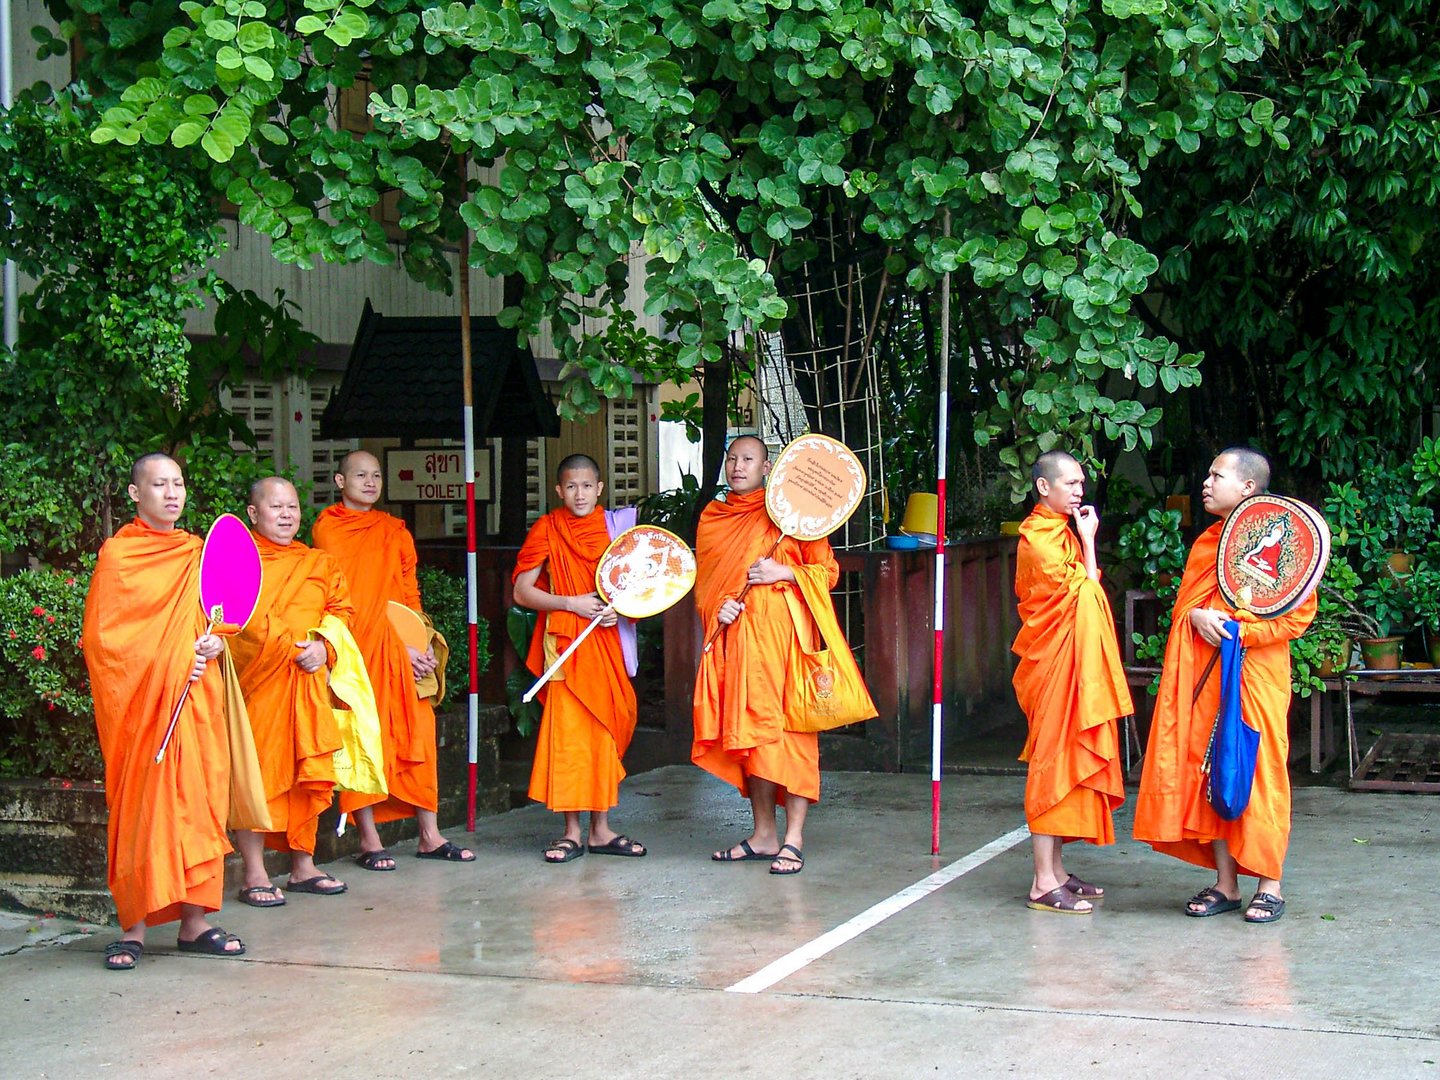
column 184, row 693
column 540, row 682
column 740, row 598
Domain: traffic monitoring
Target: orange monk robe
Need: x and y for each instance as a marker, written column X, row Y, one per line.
column 590, row 712
column 296, row 734
column 377, row 555
column 1070, row 684
column 741, row 726
column 167, row 841
column 1171, row 811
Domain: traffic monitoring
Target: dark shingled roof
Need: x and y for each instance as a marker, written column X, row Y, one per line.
column 404, row 380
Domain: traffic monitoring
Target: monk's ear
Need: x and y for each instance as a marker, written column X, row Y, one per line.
column 340, row 480
column 254, row 517
column 765, row 468
column 599, row 488
column 1042, row 487
column 134, row 493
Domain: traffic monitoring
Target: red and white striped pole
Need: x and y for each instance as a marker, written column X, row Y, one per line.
column 471, row 606
column 937, row 722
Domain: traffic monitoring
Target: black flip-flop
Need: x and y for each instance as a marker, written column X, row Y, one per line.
column 573, row 849
column 446, row 852
column 367, row 860
column 1271, row 906
column 1212, row 902
column 312, row 885
column 211, row 943
column 620, row 845
column 798, row 857
column 751, row 855
column 133, row 949
column 247, row 896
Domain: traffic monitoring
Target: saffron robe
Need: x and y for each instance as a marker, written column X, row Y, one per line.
column 742, row 728
column 590, row 709
column 296, row 732
column 166, row 833
column 1070, row 684
column 1172, row 814
column 377, row 555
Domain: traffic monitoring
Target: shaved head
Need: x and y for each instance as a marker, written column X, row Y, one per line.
column 1249, row 464
column 144, row 461
column 260, row 488
column 354, row 459
column 576, row 462
column 757, row 442
column 1048, row 465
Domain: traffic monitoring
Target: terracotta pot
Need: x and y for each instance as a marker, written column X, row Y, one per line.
column 1400, row 563
column 1381, row 654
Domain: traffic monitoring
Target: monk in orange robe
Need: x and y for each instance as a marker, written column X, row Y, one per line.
column 1070, row 684
column 1172, row 814
column 377, row 555
column 144, row 638
column 283, row 677
column 743, row 732
column 590, row 708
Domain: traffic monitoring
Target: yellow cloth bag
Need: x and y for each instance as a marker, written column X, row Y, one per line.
column 360, row 761
column 825, row 689
column 248, row 806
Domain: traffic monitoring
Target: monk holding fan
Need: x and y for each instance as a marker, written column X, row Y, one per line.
column 778, row 670
column 377, row 555
column 144, row 638
column 1069, row 682
column 1174, row 813
column 590, row 708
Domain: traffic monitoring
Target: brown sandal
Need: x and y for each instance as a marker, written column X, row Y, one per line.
column 1060, row 901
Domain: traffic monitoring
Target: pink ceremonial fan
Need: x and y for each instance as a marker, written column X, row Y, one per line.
column 230, row 579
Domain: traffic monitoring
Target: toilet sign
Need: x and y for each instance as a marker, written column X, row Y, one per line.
column 434, row 475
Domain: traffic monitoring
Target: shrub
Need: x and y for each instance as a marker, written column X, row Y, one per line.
column 47, row 721
column 443, row 595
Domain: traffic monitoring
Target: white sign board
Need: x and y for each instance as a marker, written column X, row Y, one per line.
column 434, row 475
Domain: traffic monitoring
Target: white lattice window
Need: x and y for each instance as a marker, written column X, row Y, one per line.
column 257, row 403
column 325, row 454
column 535, row 476
column 625, row 434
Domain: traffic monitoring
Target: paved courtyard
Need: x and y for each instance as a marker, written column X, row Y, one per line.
column 877, row 961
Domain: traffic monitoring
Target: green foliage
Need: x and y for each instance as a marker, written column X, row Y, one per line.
column 747, row 151
column 1153, row 547
column 443, row 597
column 47, row 720
column 520, row 627
column 677, row 509
column 1304, row 265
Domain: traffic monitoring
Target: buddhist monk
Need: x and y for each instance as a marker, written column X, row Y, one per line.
column 1172, row 814
column 1070, row 684
column 144, row 638
column 283, row 676
column 744, row 732
column 590, row 708
column 377, row 555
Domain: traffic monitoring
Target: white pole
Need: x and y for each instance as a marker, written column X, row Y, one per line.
column 937, row 718
column 7, row 99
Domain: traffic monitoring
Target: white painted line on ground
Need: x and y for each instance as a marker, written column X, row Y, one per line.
column 831, row 940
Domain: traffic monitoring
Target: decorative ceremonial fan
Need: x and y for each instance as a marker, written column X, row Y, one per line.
column 410, row 626
column 814, row 487
column 644, row 571
column 230, row 579
column 1273, row 552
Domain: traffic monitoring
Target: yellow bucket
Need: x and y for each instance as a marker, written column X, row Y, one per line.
column 920, row 513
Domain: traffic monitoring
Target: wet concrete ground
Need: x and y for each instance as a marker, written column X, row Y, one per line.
column 610, row 967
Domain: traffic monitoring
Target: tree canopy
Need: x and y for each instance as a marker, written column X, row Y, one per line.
column 744, row 148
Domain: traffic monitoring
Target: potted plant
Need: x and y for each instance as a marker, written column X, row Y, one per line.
column 1424, row 588
column 1153, row 548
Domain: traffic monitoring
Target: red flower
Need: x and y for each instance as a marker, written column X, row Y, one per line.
column 38, row 652
column 49, row 618
column 37, row 610
column 12, row 635
column 69, row 581
column 50, row 706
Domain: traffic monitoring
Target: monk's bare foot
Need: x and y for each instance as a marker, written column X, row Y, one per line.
column 1212, row 901
column 749, row 850
column 564, row 850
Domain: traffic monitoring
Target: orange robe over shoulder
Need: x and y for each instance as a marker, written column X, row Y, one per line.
column 166, row 831
column 377, row 555
column 741, row 726
column 296, row 734
column 1172, row 814
column 1070, row 684
column 590, row 712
